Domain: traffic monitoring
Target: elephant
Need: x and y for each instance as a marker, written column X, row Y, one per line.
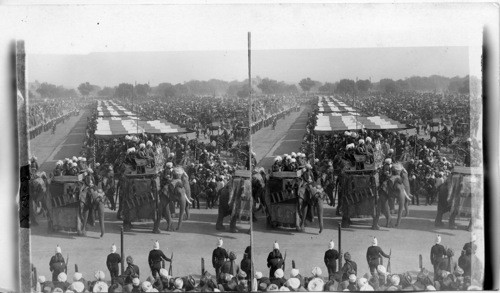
column 452, row 195
column 378, row 203
column 38, row 192
column 91, row 200
column 178, row 190
column 310, row 199
column 259, row 182
column 399, row 188
column 234, row 201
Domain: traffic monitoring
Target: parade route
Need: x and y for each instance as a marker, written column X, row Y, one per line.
column 415, row 236
column 196, row 239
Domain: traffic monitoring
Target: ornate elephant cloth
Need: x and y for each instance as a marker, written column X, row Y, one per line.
column 64, row 193
column 241, row 198
column 138, row 192
column 356, row 188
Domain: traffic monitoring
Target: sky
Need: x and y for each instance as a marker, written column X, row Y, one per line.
column 324, row 65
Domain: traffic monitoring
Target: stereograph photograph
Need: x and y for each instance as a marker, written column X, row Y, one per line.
column 278, row 148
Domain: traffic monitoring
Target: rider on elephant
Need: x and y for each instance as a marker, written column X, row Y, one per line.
column 73, row 171
column 58, row 170
column 130, row 157
column 277, row 165
column 33, row 165
column 150, row 153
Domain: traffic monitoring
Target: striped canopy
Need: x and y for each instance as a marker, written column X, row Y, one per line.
column 330, row 107
column 112, row 109
column 108, row 127
column 111, row 127
column 329, row 123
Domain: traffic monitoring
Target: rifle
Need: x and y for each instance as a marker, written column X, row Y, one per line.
column 389, row 262
column 293, row 264
column 170, row 268
column 202, row 266
column 420, row 265
column 284, row 261
column 66, row 267
column 76, row 268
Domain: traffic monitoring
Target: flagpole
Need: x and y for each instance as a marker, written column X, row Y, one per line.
column 250, row 154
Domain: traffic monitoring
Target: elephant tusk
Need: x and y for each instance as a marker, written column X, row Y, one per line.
column 187, row 198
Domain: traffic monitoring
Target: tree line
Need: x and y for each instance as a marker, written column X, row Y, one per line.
column 267, row 86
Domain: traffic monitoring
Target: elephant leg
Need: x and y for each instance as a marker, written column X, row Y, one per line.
column 320, row 215
column 400, row 210
column 100, row 210
column 391, row 202
column 220, row 218
column 384, row 208
column 407, row 208
column 182, row 208
column 304, row 215
column 85, row 214
column 168, row 216
column 187, row 210
column 232, row 224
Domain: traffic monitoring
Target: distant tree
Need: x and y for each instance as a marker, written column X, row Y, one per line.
column 244, row 91
column 363, row 85
column 327, row 88
column 306, row 84
column 181, row 89
column 291, row 89
column 142, row 90
column 346, row 86
column 47, row 90
column 388, row 85
column 106, row 92
column 85, row 88
column 465, row 89
column 169, row 90
column 269, row 86
column 124, row 90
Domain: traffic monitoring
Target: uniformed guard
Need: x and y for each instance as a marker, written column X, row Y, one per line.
column 57, row 264
column 219, row 256
column 374, row 255
column 274, row 260
column 437, row 253
column 155, row 258
column 331, row 257
column 112, row 263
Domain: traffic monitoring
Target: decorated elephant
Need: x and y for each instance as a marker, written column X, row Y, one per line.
column 360, row 193
column 234, row 201
column 310, row 199
column 38, row 192
column 399, row 189
column 259, row 180
column 177, row 191
column 460, row 190
column 91, row 200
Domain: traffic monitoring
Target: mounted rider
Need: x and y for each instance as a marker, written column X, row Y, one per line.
column 58, row 170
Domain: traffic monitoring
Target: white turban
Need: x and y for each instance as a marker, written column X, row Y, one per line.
column 41, row 279
column 58, row 249
column 352, row 278
column 113, row 248
column 388, row 161
column 142, row 145
column 279, row 273
column 294, row 283
column 331, row 245
column 276, row 245
column 62, row 277
column 219, row 242
column 374, row 241
column 438, row 239
column 156, row 246
column 164, row 273
column 99, row 275
column 294, row 273
column 316, row 271
column 361, row 141
column 258, row 275
column 149, row 143
column 368, row 139
column 77, row 276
